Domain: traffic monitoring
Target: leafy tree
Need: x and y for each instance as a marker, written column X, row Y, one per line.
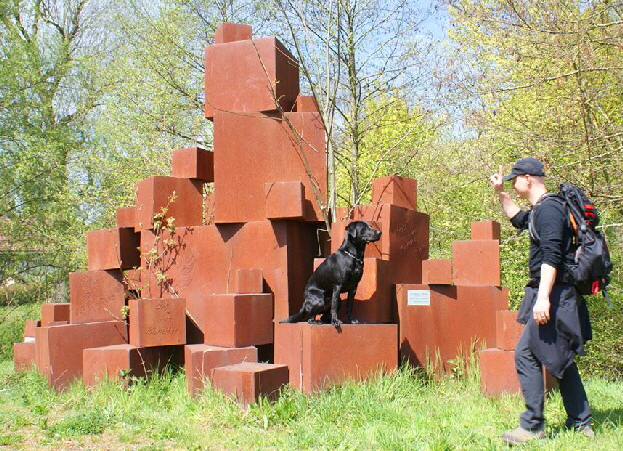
column 396, row 141
column 543, row 79
column 49, row 52
column 350, row 53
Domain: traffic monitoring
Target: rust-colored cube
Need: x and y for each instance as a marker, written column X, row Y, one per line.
column 249, row 380
column 404, row 240
column 231, row 32
column 318, row 354
column 157, row 322
column 268, row 151
column 498, row 373
column 507, row 330
column 437, row 272
column 395, row 190
column 246, row 76
column 29, row 329
column 193, row 163
column 237, row 320
column 207, row 259
column 285, row 200
column 95, row 296
column 117, row 362
column 486, row 230
column 58, row 349
column 249, row 281
column 476, row 262
column 116, row 248
column 446, row 320
column 374, row 296
column 126, row 217
column 131, row 279
column 201, row 359
column 52, row 312
column 24, row 355
column 156, row 193
column 306, row 104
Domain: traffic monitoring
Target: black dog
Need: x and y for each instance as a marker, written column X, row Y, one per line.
column 339, row 273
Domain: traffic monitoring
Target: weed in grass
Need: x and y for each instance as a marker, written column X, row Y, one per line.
column 6, row 440
column 84, row 423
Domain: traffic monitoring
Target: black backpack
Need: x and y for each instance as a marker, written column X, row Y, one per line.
column 590, row 272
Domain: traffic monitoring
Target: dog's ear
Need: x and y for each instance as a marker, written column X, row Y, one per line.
column 351, row 229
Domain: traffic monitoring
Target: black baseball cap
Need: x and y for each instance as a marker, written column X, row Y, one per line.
column 526, row 166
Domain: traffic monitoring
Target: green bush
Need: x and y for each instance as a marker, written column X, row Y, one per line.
column 12, row 320
column 605, row 351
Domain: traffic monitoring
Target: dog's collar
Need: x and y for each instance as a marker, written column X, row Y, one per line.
column 352, row 256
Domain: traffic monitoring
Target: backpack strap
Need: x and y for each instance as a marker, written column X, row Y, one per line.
column 531, row 224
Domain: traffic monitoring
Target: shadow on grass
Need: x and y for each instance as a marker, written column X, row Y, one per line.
column 603, row 416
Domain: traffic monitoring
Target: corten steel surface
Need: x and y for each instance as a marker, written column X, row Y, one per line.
column 157, row 322
column 52, row 312
column 113, row 249
column 58, row 349
column 508, row 330
column 374, row 299
column 318, row 355
column 285, row 200
column 404, row 239
column 306, row 104
column 117, row 361
column 454, row 320
column 247, row 381
column 247, row 76
column 230, row 32
column 201, row 359
column 236, row 320
column 498, row 374
column 126, row 217
column 476, row 262
column 270, row 150
column 395, row 190
column 29, row 328
column 131, row 279
column 23, row 355
column 95, row 296
column 208, row 257
column 154, row 193
column 193, row 163
column 250, row 280
column 437, row 271
column 485, row 230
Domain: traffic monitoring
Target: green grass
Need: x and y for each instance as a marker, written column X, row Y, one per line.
column 402, row 411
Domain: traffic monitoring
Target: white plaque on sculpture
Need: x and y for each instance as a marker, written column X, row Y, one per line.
column 418, row 297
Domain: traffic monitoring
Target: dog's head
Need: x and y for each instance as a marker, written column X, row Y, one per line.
column 361, row 231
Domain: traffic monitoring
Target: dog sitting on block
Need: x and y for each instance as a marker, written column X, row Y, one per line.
column 339, row 273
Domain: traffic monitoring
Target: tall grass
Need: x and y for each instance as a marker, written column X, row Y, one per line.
column 406, row 410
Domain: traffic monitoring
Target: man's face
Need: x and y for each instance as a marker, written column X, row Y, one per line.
column 521, row 185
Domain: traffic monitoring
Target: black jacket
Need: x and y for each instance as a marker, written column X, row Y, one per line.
column 555, row 245
column 557, row 342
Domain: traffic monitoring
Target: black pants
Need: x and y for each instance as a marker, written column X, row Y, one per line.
column 530, row 373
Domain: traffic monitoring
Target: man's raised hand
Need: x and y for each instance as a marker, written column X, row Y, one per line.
column 497, row 180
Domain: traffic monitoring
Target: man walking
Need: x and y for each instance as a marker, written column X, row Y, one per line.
column 555, row 314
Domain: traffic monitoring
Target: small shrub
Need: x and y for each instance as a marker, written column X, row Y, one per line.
column 90, row 422
column 12, row 320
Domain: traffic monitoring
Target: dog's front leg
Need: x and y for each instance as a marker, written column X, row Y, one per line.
column 349, row 307
column 335, row 303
